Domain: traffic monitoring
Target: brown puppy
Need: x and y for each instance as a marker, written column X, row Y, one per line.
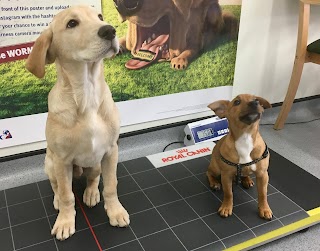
column 190, row 24
column 241, row 152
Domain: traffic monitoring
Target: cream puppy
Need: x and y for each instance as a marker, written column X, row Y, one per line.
column 80, row 103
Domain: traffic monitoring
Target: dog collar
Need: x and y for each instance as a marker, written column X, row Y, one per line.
column 239, row 166
column 144, row 55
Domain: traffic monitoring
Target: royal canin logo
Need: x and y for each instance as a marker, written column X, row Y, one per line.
column 183, row 150
column 184, row 153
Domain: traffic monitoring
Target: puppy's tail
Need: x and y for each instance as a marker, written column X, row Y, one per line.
column 230, row 26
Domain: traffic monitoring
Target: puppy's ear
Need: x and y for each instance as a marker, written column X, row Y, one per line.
column 184, row 7
column 40, row 55
column 265, row 104
column 220, row 108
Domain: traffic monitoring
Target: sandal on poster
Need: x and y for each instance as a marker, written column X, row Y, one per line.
column 147, row 54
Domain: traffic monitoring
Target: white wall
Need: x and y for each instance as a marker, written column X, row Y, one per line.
column 266, row 49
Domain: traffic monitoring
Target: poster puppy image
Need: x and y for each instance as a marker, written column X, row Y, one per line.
column 206, row 52
column 172, row 30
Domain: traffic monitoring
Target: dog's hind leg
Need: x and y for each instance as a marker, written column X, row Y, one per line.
column 214, row 18
column 48, row 166
column 246, row 182
column 219, row 22
column 213, row 180
column 230, row 25
column 118, row 216
column 77, row 171
column 214, row 174
column 91, row 195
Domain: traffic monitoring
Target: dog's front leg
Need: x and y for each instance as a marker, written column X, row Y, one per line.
column 91, row 195
column 118, row 216
column 64, row 226
column 49, row 169
column 181, row 62
column 225, row 209
column 262, row 184
column 178, row 43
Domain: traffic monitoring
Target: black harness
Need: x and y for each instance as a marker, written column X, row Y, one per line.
column 240, row 166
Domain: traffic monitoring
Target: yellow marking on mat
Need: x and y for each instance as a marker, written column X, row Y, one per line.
column 314, row 211
column 283, row 231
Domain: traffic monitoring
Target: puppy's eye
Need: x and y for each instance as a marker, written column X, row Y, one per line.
column 72, row 23
column 100, row 17
column 236, row 102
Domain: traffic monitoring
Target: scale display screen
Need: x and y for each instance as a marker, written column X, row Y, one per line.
column 205, row 133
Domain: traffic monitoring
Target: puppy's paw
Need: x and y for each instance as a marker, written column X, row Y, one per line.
column 118, row 215
column 91, row 197
column 64, row 227
column 213, row 182
column 56, row 202
column 225, row 210
column 179, row 63
column 247, row 182
column 216, row 186
column 265, row 212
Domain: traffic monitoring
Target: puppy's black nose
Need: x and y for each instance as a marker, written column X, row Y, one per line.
column 254, row 103
column 107, row 32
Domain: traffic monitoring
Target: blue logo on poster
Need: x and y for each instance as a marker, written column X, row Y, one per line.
column 5, row 135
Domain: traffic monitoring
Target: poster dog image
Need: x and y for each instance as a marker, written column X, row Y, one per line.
column 80, row 103
column 241, row 152
column 212, row 67
column 172, row 30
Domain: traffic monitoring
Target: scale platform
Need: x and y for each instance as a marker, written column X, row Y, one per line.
column 171, row 208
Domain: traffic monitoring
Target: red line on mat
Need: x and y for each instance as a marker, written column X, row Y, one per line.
column 88, row 222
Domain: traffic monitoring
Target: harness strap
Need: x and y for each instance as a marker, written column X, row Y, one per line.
column 239, row 166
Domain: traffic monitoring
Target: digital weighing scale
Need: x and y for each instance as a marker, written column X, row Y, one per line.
column 171, row 207
column 211, row 129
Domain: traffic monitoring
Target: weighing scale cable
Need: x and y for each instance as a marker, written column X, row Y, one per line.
column 175, row 142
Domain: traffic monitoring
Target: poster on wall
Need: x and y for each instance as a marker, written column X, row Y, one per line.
column 176, row 57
